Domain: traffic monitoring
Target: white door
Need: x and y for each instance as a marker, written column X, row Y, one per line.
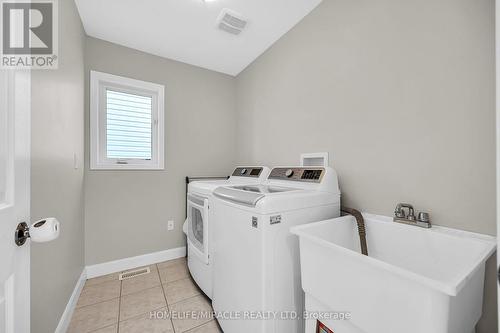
column 14, row 200
column 497, row 56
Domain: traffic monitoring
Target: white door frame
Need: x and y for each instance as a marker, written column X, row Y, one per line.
column 497, row 60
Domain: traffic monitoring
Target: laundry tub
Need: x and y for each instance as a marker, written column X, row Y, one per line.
column 414, row 280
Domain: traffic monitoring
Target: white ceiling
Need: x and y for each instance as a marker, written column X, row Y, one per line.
column 185, row 30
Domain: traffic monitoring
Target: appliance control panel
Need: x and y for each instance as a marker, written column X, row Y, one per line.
column 313, row 175
column 247, row 172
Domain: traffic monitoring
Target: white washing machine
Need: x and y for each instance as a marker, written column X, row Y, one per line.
column 257, row 285
column 198, row 225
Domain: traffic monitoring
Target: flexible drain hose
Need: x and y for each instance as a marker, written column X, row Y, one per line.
column 361, row 227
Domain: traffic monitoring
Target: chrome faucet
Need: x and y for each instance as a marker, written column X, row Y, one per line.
column 400, row 216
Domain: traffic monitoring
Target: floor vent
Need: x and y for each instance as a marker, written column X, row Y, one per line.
column 132, row 274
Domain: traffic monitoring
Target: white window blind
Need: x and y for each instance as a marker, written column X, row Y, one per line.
column 126, row 123
column 128, row 126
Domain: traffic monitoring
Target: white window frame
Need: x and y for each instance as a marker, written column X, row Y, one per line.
column 99, row 82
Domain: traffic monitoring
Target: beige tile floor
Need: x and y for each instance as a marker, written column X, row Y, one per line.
column 142, row 304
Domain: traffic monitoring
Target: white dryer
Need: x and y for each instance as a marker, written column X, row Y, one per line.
column 257, row 285
column 198, row 225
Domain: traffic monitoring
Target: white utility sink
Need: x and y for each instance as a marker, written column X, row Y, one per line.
column 414, row 280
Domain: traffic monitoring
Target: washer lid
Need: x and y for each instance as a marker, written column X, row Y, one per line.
column 264, row 189
column 248, row 195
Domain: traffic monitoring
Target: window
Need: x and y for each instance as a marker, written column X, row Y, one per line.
column 126, row 123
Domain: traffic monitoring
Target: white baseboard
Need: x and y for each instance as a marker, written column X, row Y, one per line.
column 133, row 262
column 63, row 325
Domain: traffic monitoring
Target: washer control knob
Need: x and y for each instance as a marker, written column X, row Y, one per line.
column 289, row 173
column 243, row 171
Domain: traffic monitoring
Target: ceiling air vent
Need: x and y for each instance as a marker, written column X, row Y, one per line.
column 231, row 22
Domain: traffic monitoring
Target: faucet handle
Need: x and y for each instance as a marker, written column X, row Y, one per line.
column 424, row 217
column 399, row 212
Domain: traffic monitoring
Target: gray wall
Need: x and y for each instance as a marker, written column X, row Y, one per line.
column 126, row 212
column 56, row 186
column 400, row 93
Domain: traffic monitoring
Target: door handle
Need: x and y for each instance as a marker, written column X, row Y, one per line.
column 41, row 231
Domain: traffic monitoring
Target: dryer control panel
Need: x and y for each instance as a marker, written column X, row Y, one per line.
column 247, row 172
column 312, row 175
